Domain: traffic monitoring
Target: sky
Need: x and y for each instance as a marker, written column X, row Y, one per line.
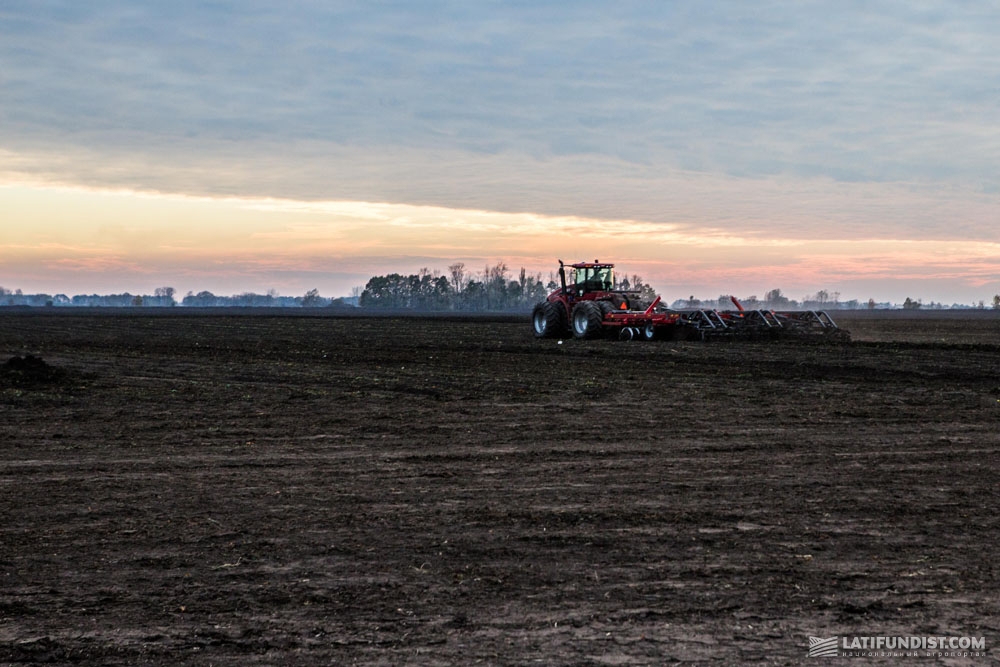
column 710, row 147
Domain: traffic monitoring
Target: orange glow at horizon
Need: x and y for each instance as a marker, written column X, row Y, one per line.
column 61, row 239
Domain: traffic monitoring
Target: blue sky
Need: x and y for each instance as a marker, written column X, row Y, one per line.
column 804, row 121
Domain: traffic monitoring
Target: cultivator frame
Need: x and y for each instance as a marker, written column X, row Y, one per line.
column 759, row 324
column 591, row 307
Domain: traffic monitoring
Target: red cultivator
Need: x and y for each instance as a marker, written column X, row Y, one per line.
column 592, row 306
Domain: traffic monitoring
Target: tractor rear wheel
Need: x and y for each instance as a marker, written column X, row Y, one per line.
column 587, row 318
column 548, row 320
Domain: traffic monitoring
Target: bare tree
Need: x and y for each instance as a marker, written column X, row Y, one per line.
column 775, row 299
column 312, row 298
column 459, row 279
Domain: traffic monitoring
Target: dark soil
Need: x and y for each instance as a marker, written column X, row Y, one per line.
column 235, row 490
column 28, row 371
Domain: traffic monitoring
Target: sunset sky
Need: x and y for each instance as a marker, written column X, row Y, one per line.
column 712, row 147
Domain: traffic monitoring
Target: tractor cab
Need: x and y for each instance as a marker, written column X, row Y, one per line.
column 592, row 277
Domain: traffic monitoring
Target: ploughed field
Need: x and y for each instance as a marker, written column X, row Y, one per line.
column 253, row 489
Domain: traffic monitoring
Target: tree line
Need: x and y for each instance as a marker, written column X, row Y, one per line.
column 164, row 297
column 821, row 300
column 495, row 288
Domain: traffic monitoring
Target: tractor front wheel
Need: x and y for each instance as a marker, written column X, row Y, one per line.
column 587, row 318
column 548, row 319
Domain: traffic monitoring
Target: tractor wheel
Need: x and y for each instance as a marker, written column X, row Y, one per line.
column 649, row 332
column 547, row 320
column 606, row 307
column 587, row 318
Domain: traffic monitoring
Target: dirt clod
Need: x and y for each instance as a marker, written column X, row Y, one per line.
column 29, row 370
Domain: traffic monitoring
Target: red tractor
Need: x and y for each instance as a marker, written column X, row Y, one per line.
column 592, row 305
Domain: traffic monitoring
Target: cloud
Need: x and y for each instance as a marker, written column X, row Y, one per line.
column 665, row 112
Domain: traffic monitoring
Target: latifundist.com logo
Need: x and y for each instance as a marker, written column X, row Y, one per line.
column 820, row 647
column 897, row 647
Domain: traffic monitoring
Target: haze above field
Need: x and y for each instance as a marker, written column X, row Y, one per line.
column 712, row 148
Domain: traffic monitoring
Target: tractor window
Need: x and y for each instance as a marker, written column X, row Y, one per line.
column 606, row 276
column 594, row 279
